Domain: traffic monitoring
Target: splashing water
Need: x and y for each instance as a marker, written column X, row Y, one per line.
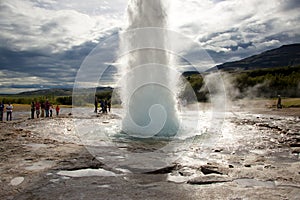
column 149, row 87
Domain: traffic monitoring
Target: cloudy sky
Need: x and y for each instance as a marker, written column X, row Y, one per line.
column 44, row 42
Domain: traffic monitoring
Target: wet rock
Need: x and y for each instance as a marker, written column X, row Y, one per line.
column 186, row 171
column 269, row 167
column 295, row 145
column 209, row 179
column 80, row 163
column 164, row 170
column 296, row 150
column 218, row 150
column 208, row 169
column 269, row 126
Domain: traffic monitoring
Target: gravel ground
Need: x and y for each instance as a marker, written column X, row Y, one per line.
column 260, row 161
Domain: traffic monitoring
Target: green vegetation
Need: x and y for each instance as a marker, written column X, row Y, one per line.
column 196, row 83
column 62, row 97
column 291, row 103
column 270, row 82
column 25, row 99
column 266, row 83
column 64, row 100
column 89, row 99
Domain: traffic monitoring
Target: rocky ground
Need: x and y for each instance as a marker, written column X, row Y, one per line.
column 260, row 162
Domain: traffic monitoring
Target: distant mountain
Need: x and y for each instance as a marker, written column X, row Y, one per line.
column 47, row 92
column 59, row 91
column 286, row 55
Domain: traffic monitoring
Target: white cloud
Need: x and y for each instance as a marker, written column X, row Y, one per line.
column 15, row 82
column 54, row 36
column 269, row 43
column 54, row 26
column 9, row 78
column 220, row 24
column 28, row 25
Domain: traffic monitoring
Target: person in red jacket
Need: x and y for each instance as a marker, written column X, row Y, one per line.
column 57, row 110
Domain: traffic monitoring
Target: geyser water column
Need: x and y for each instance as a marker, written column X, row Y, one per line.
column 149, row 89
column 149, row 86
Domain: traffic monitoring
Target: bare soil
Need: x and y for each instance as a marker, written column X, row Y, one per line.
column 263, row 164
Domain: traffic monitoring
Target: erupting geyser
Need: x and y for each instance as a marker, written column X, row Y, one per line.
column 149, row 89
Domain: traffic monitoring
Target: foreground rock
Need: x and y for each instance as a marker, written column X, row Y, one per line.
column 209, row 179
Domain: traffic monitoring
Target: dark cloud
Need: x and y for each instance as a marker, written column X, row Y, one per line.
column 43, row 4
column 57, row 69
column 39, row 38
column 291, row 5
column 210, row 36
column 245, row 45
column 49, row 27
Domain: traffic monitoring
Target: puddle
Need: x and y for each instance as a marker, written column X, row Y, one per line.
column 254, row 183
column 16, row 181
column 177, row 178
column 35, row 146
column 126, row 171
column 41, row 165
column 87, row 173
column 104, row 186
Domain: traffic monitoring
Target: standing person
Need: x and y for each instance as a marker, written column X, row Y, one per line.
column 102, row 106
column 96, row 104
column 279, row 106
column 47, row 107
column 57, row 110
column 37, row 109
column 43, row 109
column 50, row 110
column 1, row 111
column 9, row 109
column 109, row 105
column 105, row 106
column 32, row 109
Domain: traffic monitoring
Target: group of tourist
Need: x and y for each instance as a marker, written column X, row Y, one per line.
column 42, row 109
column 105, row 105
column 9, row 109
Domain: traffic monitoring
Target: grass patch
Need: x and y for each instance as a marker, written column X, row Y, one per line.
column 291, row 103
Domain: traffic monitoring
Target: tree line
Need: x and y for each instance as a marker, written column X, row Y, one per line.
column 268, row 83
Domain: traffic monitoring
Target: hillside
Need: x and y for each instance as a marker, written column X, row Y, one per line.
column 286, row 55
column 58, row 91
column 47, row 92
column 270, row 73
